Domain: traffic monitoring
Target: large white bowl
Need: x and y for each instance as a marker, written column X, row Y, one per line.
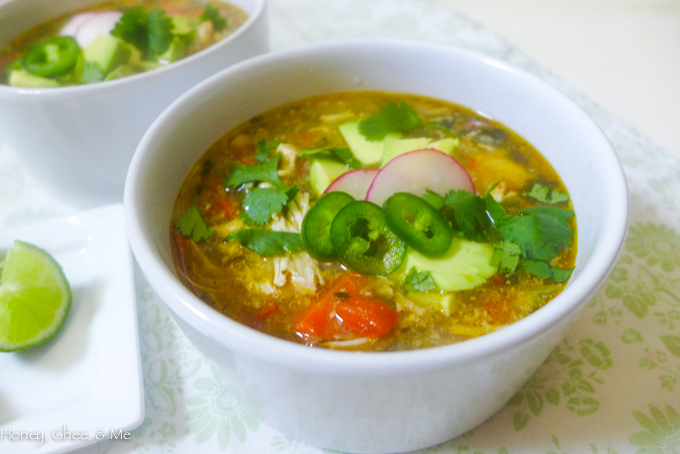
column 78, row 141
column 379, row 402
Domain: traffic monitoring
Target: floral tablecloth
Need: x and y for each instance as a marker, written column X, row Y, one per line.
column 611, row 386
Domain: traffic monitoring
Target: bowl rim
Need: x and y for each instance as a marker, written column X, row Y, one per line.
column 265, row 347
column 257, row 15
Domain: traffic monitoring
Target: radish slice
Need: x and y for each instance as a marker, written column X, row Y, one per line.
column 354, row 183
column 86, row 29
column 416, row 171
column 76, row 21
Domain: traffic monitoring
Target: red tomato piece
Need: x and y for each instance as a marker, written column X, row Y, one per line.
column 370, row 317
column 317, row 320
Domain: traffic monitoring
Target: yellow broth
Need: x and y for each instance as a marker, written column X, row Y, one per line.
column 239, row 282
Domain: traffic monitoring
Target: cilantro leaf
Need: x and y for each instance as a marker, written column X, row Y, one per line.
column 131, row 28
column 261, row 203
column 149, row 31
column 547, row 195
column 434, row 199
column 260, row 171
column 92, row 73
column 191, row 224
column 540, row 236
column 159, row 31
column 470, row 213
column 212, row 14
column 267, row 242
column 558, row 213
column 495, row 210
column 420, row 281
column 544, row 270
column 342, row 154
column 264, row 149
column 394, row 117
column 506, row 256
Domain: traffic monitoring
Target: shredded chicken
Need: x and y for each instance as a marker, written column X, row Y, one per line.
column 299, row 267
column 292, row 222
column 205, row 33
column 338, row 117
column 289, row 154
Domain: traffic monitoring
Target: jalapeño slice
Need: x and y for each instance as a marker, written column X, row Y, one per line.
column 52, row 57
column 316, row 226
column 418, row 224
column 364, row 242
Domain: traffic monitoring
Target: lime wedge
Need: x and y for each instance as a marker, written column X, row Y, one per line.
column 35, row 297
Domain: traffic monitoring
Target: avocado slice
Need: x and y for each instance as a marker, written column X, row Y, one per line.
column 120, row 72
column 447, row 145
column 322, row 172
column 182, row 25
column 178, row 49
column 445, row 303
column 107, row 52
column 24, row 79
column 464, row 266
column 369, row 152
column 394, row 146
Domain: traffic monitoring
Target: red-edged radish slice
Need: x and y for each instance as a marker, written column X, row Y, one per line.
column 87, row 29
column 416, row 171
column 74, row 23
column 354, row 183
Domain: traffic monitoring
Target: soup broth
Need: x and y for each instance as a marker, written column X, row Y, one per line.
column 270, row 172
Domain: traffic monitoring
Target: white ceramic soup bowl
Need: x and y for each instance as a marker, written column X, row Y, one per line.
column 379, row 402
column 78, row 141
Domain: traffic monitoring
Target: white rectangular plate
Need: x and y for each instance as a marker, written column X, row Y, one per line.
column 88, row 379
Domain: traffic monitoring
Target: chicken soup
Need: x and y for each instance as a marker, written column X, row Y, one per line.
column 373, row 221
column 115, row 39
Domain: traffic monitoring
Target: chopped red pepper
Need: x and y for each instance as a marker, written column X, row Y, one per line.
column 341, row 313
column 370, row 317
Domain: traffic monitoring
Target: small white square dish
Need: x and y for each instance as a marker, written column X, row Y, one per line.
column 86, row 382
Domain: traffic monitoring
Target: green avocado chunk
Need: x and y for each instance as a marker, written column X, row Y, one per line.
column 120, row 72
column 369, row 152
column 464, row 266
column 394, row 146
column 323, row 171
column 445, row 303
column 24, row 79
column 178, row 49
column 107, row 52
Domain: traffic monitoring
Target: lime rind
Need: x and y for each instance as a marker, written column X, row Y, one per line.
column 35, row 297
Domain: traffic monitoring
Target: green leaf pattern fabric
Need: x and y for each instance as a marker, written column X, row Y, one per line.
column 611, row 386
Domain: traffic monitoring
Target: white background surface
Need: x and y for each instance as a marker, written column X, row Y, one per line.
column 623, row 54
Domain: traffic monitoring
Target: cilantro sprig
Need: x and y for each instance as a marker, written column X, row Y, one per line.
column 261, row 203
column 419, row 281
column 470, row 215
column 212, row 14
column 340, row 154
column 191, row 224
column 267, row 242
column 264, row 149
column 531, row 239
column 150, row 31
column 547, row 195
column 262, row 171
column 393, row 117
column 540, row 233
